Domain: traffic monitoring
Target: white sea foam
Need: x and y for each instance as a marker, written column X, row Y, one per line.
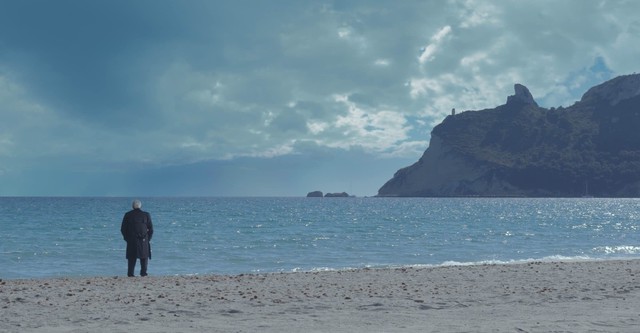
column 553, row 258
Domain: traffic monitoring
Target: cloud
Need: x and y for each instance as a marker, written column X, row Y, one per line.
column 490, row 47
column 428, row 52
column 31, row 130
column 138, row 85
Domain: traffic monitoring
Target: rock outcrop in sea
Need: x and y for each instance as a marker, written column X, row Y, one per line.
column 337, row 195
column 521, row 149
column 318, row 194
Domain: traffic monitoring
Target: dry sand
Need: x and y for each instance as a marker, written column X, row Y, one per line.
column 597, row 296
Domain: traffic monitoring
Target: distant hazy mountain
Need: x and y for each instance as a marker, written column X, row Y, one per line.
column 521, row 149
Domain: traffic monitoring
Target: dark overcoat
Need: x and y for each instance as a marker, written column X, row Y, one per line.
column 137, row 230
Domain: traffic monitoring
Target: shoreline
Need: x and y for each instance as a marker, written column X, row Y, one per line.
column 451, row 263
column 573, row 296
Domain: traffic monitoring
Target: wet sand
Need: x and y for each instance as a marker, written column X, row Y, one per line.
column 595, row 296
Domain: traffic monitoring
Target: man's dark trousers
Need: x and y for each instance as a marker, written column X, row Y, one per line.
column 143, row 266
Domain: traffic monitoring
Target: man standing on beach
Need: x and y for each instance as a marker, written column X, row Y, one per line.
column 137, row 230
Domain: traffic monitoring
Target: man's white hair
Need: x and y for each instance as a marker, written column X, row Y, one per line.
column 136, row 204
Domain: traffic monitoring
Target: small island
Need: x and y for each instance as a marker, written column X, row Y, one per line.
column 319, row 194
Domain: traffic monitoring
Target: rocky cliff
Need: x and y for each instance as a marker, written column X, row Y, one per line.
column 521, row 149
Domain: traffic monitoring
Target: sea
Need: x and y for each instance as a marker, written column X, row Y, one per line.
column 43, row 237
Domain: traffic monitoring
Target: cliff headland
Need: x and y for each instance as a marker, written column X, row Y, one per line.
column 522, row 149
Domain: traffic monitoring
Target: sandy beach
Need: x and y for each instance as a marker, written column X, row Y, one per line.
column 596, row 296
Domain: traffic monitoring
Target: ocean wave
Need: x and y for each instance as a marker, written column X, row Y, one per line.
column 554, row 258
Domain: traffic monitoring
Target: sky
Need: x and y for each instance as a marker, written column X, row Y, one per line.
column 274, row 98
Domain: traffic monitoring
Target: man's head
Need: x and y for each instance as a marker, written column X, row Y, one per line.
column 136, row 204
